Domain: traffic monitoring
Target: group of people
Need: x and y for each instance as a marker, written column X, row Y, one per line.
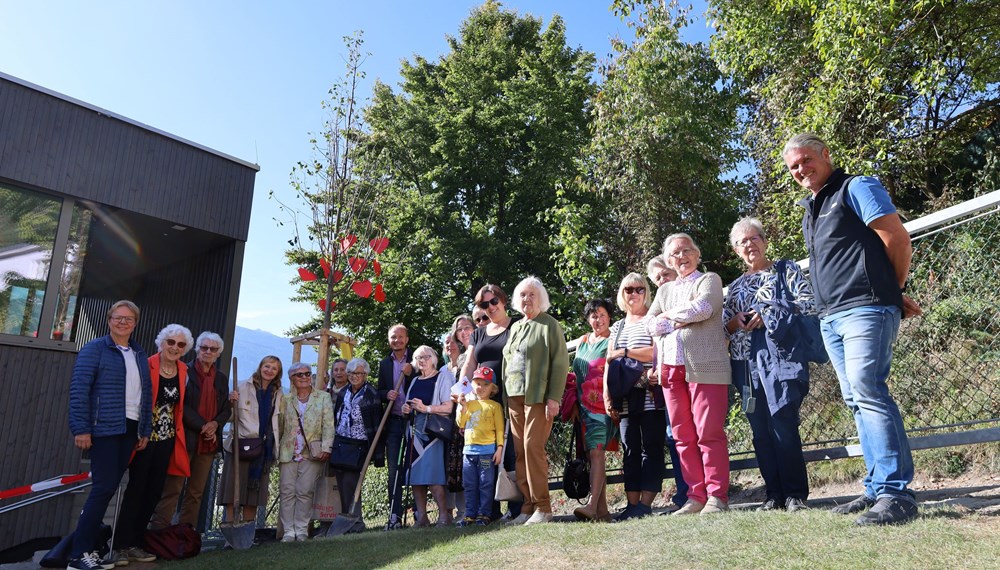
column 490, row 407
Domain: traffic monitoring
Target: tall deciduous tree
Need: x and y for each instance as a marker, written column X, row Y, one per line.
column 664, row 121
column 909, row 91
column 479, row 142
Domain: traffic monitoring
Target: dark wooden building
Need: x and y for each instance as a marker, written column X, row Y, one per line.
column 94, row 208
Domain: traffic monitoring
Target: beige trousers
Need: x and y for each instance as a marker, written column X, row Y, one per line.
column 531, row 430
column 297, row 484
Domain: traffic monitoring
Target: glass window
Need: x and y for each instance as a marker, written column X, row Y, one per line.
column 28, row 224
column 72, row 269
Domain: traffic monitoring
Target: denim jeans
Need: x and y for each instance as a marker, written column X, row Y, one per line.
column 859, row 342
column 109, row 457
column 478, row 482
column 681, row 496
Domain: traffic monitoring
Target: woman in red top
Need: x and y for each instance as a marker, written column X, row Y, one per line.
column 166, row 452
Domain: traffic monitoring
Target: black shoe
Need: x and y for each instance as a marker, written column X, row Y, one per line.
column 626, row 514
column 889, row 510
column 856, row 506
column 771, row 504
column 793, row 504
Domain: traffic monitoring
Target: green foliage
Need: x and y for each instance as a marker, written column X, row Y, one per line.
column 478, row 143
column 908, row 91
column 661, row 142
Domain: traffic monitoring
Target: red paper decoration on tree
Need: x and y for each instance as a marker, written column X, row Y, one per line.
column 306, row 275
column 362, row 288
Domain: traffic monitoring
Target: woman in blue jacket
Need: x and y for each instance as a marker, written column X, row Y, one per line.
column 110, row 414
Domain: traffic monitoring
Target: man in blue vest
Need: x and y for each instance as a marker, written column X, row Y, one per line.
column 859, row 259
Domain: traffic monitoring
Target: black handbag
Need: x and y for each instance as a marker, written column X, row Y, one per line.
column 576, row 474
column 251, row 448
column 348, row 453
column 436, row 425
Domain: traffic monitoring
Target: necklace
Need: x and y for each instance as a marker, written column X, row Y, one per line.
column 168, row 370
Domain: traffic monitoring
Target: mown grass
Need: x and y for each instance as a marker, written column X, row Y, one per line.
column 814, row 539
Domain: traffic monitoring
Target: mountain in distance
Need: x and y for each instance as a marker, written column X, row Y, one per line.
column 251, row 345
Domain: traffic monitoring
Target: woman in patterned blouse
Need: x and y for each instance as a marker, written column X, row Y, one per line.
column 166, row 452
column 778, row 386
column 356, row 413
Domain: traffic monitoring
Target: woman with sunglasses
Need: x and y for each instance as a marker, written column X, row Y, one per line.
column 486, row 349
column 642, row 421
column 695, row 374
column 479, row 317
column 305, row 436
column 205, row 412
column 166, row 451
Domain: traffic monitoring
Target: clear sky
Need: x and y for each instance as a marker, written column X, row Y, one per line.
column 246, row 78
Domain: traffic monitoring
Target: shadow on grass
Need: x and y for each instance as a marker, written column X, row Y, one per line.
column 369, row 549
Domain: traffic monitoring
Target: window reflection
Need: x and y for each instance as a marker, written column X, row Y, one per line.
column 28, row 223
column 69, row 283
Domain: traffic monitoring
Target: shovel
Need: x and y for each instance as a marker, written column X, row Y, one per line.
column 343, row 523
column 238, row 534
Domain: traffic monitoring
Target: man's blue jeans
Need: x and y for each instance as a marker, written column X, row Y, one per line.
column 859, row 342
column 478, row 481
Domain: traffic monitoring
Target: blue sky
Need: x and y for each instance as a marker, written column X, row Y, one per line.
column 246, row 78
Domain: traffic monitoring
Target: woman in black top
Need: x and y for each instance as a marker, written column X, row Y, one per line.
column 486, row 349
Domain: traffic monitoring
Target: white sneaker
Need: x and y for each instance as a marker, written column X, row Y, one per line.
column 518, row 520
column 539, row 517
column 715, row 505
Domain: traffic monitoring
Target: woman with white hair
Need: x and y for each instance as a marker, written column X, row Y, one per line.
column 762, row 372
column 305, row 436
column 658, row 271
column 429, row 394
column 535, row 365
column 166, row 452
column 695, row 374
column 357, row 412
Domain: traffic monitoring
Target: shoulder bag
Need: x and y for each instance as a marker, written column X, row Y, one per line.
column 576, row 474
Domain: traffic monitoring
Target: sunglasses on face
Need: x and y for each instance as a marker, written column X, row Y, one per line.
column 482, row 319
column 486, row 304
column 636, row 290
column 172, row 342
column 208, row 348
column 301, row 374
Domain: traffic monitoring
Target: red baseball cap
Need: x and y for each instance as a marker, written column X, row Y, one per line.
column 484, row 373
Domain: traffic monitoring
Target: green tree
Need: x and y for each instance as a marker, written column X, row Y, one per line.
column 478, row 142
column 908, row 91
column 664, row 123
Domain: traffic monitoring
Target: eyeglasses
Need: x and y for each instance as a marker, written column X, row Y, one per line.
column 122, row 320
column 466, row 327
column 301, row 374
column 683, row 253
column 486, row 304
column 636, row 290
column 358, row 374
column 204, row 348
column 482, row 319
column 752, row 239
column 423, row 357
column 179, row 343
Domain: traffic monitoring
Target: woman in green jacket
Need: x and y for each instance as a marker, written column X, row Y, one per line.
column 535, row 365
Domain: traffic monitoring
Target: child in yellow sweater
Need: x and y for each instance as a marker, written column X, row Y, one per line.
column 482, row 419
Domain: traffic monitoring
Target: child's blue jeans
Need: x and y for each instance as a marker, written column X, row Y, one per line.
column 477, row 479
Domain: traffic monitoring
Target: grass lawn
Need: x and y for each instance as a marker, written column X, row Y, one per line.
column 941, row 538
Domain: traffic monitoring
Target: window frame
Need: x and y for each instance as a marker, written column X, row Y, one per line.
column 48, row 311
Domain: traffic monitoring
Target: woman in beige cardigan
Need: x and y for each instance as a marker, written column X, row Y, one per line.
column 695, row 373
column 305, row 436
